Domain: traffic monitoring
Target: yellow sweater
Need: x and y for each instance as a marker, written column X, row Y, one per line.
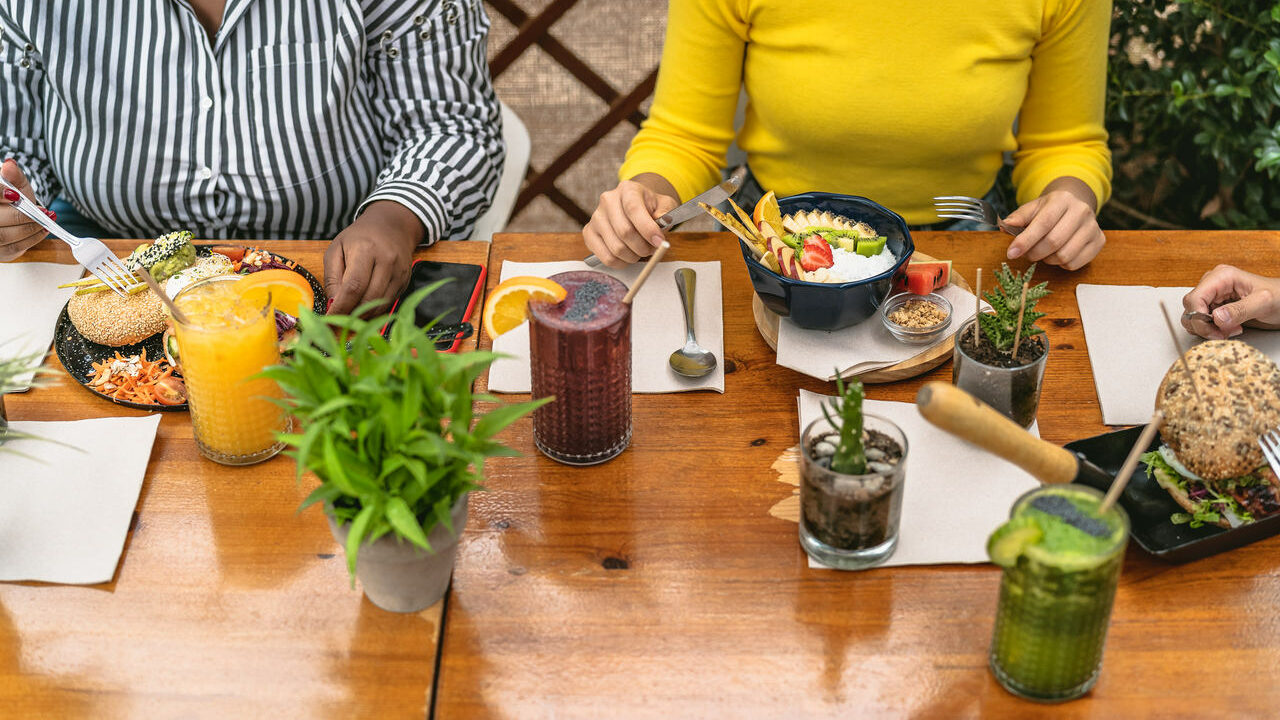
column 897, row 100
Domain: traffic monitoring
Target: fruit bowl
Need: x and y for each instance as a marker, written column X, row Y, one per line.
column 833, row 306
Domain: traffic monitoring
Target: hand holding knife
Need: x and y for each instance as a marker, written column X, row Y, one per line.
column 691, row 209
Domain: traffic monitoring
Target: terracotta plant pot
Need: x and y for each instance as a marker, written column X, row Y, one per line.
column 401, row 577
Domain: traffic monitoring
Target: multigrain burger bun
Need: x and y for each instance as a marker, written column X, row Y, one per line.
column 1217, row 439
column 108, row 319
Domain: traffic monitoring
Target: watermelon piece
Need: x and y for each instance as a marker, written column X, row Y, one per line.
column 922, row 278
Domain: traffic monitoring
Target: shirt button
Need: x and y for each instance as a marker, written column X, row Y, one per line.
column 206, row 103
column 206, row 173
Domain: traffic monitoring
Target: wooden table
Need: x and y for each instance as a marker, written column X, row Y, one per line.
column 226, row 603
column 658, row 585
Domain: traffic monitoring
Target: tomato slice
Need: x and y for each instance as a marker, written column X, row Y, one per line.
column 234, row 253
column 170, row 391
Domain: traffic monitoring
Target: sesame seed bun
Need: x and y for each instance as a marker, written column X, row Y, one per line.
column 1217, row 439
column 108, row 319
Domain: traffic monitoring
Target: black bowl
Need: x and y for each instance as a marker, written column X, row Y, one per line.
column 832, row 306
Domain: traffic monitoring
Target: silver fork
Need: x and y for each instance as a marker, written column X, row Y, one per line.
column 963, row 207
column 96, row 257
column 1270, row 444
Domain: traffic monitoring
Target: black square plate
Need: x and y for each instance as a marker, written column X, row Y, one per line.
column 1149, row 506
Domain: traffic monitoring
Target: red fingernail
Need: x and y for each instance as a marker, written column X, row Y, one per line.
column 52, row 215
column 327, row 306
column 10, row 195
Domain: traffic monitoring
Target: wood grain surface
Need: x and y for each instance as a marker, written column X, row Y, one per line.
column 227, row 602
column 658, row 586
column 767, row 323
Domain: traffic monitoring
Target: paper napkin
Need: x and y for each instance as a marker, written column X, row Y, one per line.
column 1129, row 345
column 29, row 305
column 955, row 494
column 862, row 348
column 657, row 327
column 69, row 497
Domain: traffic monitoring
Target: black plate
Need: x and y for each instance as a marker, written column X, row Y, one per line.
column 77, row 354
column 1149, row 506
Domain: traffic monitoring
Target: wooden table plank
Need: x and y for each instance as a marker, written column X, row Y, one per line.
column 657, row 585
column 227, row 602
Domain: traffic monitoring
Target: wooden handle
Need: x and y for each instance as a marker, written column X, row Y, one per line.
column 964, row 416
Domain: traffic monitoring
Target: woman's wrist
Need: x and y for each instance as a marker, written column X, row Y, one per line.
column 657, row 184
column 1076, row 187
column 391, row 218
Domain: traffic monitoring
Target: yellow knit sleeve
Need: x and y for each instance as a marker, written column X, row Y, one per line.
column 690, row 124
column 1060, row 126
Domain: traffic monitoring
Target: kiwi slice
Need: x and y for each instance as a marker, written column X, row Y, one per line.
column 871, row 248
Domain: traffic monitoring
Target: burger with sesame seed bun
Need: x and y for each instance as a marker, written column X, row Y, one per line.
column 1210, row 462
column 109, row 319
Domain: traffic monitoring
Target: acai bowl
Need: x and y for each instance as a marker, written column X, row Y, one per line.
column 834, row 305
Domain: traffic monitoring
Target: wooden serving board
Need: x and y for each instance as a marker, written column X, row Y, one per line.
column 767, row 323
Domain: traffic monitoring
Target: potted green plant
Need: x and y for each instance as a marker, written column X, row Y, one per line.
column 389, row 427
column 10, row 370
column 852, row 468
column 1000, row 359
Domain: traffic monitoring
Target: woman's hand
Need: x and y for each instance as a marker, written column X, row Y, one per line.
column 371, row 259
column 1060, row 227
column 1232, row 297
column 623, row 228
column 17, row 233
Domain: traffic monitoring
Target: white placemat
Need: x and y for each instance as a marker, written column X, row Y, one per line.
column 657, row 327
column 955, row 495
column 69, row 497
column 29, row 305
column 862, row 348
column 1129, row 346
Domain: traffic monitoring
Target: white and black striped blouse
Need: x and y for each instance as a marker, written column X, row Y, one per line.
column 297, row 114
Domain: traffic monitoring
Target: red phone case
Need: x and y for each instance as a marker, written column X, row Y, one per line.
column 466, row 314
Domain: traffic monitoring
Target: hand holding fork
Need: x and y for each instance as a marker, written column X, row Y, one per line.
column 1060, row 227
column 18, row 232
column 96, row 257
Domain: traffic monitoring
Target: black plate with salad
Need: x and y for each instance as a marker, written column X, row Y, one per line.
column 85, row 359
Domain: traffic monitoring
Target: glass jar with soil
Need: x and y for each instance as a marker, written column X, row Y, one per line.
column 851, row 521
column 1008, row 384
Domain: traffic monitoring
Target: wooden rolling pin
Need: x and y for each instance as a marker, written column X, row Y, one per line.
column 965, row 416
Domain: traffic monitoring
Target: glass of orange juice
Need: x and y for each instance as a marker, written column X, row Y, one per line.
column 227, row 339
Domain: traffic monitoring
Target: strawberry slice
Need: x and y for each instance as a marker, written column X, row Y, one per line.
column 816, row 254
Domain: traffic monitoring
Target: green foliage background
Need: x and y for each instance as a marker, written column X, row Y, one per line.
column 1193, row 108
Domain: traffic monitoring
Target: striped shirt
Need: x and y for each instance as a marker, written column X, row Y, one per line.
column 296, row 115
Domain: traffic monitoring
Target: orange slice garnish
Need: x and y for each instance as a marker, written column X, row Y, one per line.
column 767, row 211
column 508, row 305
column 290, row 292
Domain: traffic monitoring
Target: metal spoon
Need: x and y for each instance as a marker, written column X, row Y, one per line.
column 692, row 360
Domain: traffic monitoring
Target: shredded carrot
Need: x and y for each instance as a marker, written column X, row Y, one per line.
column 124, row 386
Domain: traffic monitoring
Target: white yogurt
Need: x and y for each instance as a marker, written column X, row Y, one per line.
column 850, row 266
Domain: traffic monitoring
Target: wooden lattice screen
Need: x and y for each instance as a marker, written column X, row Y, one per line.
column 623, row 107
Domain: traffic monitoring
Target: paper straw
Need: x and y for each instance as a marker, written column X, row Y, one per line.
column 648, row 268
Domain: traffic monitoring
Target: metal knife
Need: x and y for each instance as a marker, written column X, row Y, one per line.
column 692, row 209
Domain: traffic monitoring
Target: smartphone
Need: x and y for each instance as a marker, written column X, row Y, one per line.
column 452, row 303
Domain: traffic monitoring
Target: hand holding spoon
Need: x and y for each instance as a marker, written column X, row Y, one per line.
column 692, row 360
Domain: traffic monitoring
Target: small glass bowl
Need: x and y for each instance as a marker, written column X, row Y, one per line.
column 915, row 335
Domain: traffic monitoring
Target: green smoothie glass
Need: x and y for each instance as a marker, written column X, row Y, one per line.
column 1061, row 561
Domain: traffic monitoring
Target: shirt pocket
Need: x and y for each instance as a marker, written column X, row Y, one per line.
column 298, row 98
